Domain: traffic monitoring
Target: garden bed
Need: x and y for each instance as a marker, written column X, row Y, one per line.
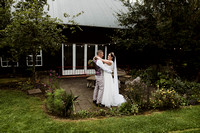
column 22, row 113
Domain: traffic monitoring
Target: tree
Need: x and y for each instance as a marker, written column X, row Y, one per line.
column 32, row 29
column 5, row 16
column 167, row 28
column 5, row 19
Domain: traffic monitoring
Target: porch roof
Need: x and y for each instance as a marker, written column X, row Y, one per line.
column 97, row 13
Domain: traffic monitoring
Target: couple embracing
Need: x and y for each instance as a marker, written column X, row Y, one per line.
column 106, row 92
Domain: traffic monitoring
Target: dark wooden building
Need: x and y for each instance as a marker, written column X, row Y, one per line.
column 98, row 22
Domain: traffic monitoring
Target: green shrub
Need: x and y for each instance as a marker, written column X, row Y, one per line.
column 166, row 77
column 166, row 98
column 190, row 89
column 113, row 112
column 102, row 112
column 193, row 92
column 127, row 108
column 50, row 101
column 60, row 103
column 134, row 109
column 179, row 86
column 83, row 114
column 133, row 72
column 28, row 85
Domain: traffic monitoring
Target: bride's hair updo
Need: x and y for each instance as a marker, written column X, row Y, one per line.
column 112, row 55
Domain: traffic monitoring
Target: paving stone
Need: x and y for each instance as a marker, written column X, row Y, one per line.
column 78, row 86
column 34, row 91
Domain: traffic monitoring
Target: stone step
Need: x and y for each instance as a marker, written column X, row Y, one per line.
column 34, row 91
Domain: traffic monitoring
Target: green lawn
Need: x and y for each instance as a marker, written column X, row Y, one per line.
column 11, row 80
column 22, row 113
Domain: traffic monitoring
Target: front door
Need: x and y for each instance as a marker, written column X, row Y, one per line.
column 79, row 59
column 75, row 58
column 67, row 61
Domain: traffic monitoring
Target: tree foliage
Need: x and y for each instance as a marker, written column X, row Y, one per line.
column 32, row 29
column 5, row 16
column 168, row 28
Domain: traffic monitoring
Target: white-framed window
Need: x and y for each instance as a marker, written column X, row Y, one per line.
column 29, row 59
column 6, row 63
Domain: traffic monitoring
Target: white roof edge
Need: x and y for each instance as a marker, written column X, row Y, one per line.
column 97, row 13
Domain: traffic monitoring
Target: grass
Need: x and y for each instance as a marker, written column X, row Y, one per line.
column 11, row 80
column 22, row 113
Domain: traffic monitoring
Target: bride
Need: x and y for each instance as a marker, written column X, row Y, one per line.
column 111, row 96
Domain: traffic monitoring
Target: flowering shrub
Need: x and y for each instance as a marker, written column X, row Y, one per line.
column 136, row 93
column 166, row 98
column 53, row 80
column 166, row 77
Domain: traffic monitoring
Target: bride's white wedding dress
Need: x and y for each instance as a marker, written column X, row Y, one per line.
column 111, row 96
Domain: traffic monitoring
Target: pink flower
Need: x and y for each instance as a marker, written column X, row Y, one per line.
column 45, row 85
column 50, row 74
column 51, row 71
column 59, row 76
column 56, row 74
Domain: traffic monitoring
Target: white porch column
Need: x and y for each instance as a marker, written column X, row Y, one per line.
column 96, row 49
column 106, row 52
column 63, row 58
column 85, row 58
column 74, row 58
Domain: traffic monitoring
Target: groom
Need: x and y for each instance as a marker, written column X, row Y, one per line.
column 99, row 87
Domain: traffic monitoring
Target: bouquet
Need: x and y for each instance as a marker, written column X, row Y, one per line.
column 91, row 63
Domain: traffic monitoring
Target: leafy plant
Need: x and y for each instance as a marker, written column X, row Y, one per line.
column 127, row 108
column 113, row 112
column 28, row 85
column 83, row 114
column 61, row 103
column 191, row 90
column 166, row 78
